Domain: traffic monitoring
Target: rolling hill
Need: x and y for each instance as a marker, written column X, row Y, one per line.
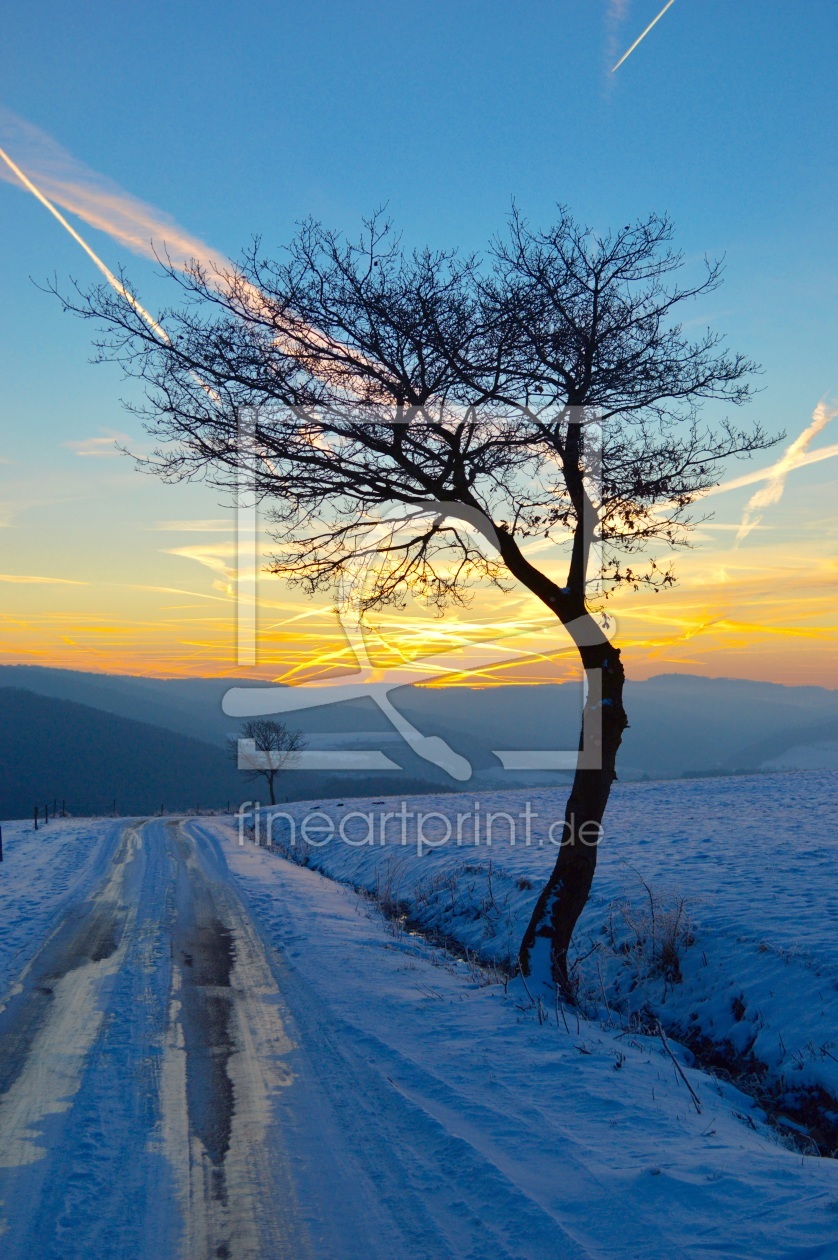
column 59, row 750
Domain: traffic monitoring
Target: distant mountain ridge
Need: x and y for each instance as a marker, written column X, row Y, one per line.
column 680, row 724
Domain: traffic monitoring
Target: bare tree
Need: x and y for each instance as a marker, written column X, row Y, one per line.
column 265, row 748
column 548, row 391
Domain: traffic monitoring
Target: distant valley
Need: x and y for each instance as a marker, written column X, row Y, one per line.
column 148, row 743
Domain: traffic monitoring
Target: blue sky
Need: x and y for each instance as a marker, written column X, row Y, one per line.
column 241, row 120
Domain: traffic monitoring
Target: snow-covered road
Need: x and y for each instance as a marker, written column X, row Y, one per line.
column 141, row 1046
column 210, row 1052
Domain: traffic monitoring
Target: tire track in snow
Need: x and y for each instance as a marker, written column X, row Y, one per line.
column 50, row 1023
column 224, row 1063
column 143, row 1049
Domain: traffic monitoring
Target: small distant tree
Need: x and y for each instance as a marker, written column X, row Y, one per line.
column 274, row 748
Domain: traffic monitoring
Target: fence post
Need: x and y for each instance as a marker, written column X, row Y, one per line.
column 36, row 817
column 46, row 813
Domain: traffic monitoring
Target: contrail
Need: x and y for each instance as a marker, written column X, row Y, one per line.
column 109, row 209
column 112, row 280
column 640, row 38
column 64, row 181
column 792, row 457
column 765, row 474
column 99, row 202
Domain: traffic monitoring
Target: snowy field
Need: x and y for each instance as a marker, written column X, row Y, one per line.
column 714, row 906
column 585, row 1135
column 396, row 1101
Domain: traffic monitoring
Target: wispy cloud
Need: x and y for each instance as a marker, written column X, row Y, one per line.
column 194, row 527
column 793, row 457
column 724, row 527
column 25, row 579
column 103, row 447
column 169, row 590
column 220, row 557
column 615, row 14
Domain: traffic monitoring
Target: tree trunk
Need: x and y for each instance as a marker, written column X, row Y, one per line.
column 544, row 948
column 270, row 778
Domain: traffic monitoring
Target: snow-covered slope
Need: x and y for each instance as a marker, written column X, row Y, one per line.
column 822, row 755
column 714, row 906
column 519, row 1137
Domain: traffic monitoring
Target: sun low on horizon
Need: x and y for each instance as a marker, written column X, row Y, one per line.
column 107, row 570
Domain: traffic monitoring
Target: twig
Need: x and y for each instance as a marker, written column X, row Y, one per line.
column 648, row 891
column 602, row 987
column 524, row 982
column 678, row 1068
column 491, row 890
column 560, row 1006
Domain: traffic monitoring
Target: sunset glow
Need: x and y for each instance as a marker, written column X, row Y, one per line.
column 766, row 610
column 756, row 594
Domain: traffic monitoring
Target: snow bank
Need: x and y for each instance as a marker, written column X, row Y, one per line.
column 714, row 905
column 40, row 872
